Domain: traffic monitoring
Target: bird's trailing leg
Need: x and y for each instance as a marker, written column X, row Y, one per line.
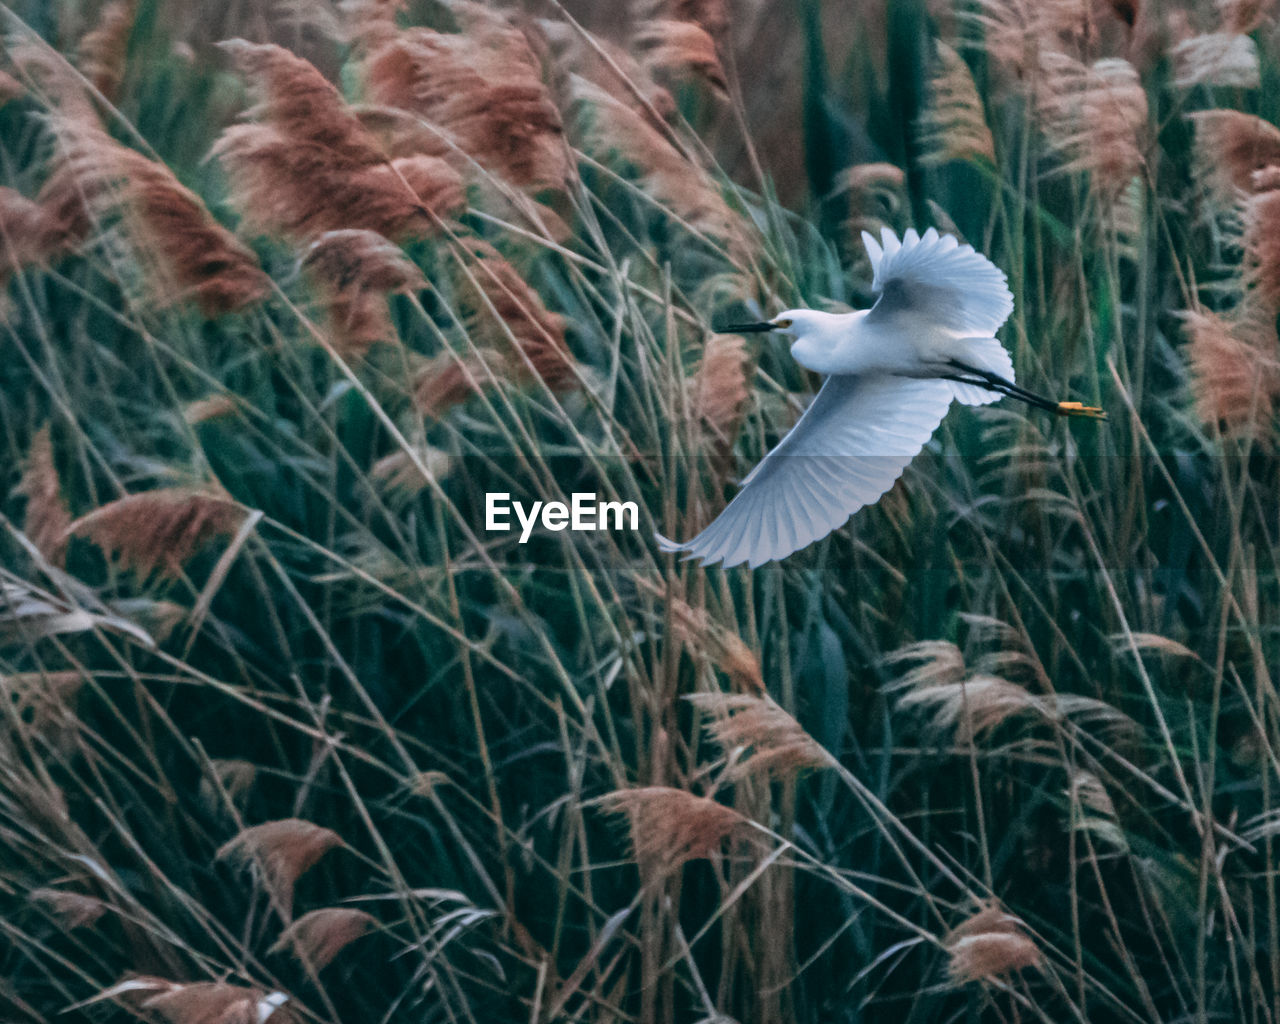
column 994, row 382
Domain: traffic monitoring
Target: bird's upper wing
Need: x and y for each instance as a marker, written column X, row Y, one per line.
column 849, row 447
column 934, row 277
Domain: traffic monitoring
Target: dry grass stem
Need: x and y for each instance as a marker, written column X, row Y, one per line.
column 711, row 642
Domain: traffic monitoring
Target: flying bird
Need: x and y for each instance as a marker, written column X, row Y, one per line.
column 892, row 372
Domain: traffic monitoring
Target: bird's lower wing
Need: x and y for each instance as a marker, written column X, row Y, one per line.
column 851, row 444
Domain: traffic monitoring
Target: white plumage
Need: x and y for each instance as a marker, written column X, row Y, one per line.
column 893, row 371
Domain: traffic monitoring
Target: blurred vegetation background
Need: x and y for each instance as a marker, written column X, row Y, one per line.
column 290, row 286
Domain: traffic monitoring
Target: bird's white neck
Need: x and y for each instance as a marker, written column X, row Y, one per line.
column 830, row 342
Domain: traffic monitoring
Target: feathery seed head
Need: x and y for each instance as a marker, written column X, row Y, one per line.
column 989, row 945
column 159, row 529
column 47, row 518
column 356, row 270
column 318, row 937
column 760, row 737
column 670, row 827
column 282, row 851
column 1230, row 146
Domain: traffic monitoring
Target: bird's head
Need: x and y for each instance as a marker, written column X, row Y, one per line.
column 812, row 329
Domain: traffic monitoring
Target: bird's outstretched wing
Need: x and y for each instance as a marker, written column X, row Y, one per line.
column 935, row 278
column 851, row 444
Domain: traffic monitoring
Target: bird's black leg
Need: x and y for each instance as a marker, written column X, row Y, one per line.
column 994, row 382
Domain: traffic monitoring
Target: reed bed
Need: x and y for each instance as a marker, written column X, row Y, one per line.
column 289, row 736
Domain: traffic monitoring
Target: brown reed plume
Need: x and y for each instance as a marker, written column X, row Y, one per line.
column 212, row 408
column 496, row 288
column 161, row 529
column 870, row 193
column 356, row 270
column 1235, row 373
column 70, row 909
column 1242, row 16
column 709, row 641
column 368, row 23
column 217, row 1002
column 1016, row 33
column 718, row 389
column 954, row 125
column 47, row 518
column 1261, row 263
column 1095, row 117
column 968, row 709
column 670, row 827
column 1226, row 59
column 309, row 166
column 197, row 1002
column 102, row 52
column 229, row 780
column 1230, row 146
column 483, row 89
column 45, row 703
column 679, row 50
column 712, row 16
column 449, row 379
column 318, row 937
column 10, row 88
column 989, row 945
column 401, row 475
column 36, row 231
column 185, row 254
column 608, row 66
column 282, row 851
column 609, row 126
column 760, row 738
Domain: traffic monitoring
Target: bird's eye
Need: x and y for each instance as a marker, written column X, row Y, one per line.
column 784, row 324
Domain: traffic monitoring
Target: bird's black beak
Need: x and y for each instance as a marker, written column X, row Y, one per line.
column 756, row 328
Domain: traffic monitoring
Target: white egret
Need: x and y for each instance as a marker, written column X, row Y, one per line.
column 892, row 373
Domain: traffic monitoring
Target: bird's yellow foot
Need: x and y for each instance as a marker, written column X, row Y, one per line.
column 1077, row 409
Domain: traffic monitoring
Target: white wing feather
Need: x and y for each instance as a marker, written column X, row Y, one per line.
column 934, row 277
column 851, row 444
